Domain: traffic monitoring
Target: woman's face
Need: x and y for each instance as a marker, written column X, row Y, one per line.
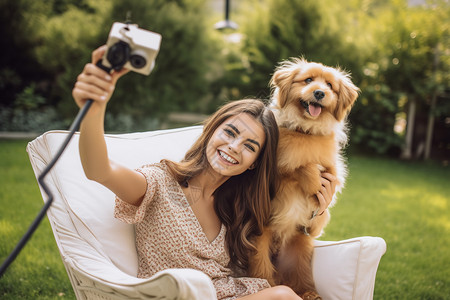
column 235, row 145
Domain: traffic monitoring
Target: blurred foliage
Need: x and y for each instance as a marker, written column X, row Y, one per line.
column 66, row 31
column 19, row 28
column 395, row 52
column 409, row 63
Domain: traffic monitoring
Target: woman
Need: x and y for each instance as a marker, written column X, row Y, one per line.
column 198, row 213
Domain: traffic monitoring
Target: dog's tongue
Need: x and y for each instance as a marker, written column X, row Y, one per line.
column 314, row 110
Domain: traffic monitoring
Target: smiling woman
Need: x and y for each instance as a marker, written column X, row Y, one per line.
column 235, row 145
column 240, row 139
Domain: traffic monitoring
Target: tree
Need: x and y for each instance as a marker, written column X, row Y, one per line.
column 414, row 65
column 54, row 39
column 68, row 35
column 42, row 45
column 19, row 31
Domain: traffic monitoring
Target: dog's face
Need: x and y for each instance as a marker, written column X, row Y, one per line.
column 312, row 97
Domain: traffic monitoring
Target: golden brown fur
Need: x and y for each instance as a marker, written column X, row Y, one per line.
column 311, row 102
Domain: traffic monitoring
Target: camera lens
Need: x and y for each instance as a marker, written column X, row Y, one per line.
column 118, row 55
column 138, row 61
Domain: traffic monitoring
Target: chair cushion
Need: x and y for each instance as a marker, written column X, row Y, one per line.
column 346, row 269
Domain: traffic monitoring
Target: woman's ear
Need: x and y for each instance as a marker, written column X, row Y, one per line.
column 252, row 166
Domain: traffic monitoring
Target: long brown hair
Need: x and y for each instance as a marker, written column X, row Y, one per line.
column 242, row 203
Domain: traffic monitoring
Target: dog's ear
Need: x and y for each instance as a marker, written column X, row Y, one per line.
column 348, row 94
column 281, row 83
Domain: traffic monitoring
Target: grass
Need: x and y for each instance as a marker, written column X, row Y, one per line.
column 406, row 203
column 37, row 272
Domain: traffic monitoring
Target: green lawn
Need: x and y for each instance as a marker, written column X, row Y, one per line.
column 37, row 272
column 408, row 204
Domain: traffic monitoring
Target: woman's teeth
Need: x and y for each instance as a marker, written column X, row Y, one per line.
column 227, row 157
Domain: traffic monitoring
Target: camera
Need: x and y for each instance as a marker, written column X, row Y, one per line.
column 132, row 48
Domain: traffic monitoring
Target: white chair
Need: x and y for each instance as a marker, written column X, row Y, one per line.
column 99, row 253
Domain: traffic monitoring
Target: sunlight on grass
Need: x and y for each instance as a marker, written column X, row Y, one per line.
column 438, row 201
column 6, row 228
column 432, row 204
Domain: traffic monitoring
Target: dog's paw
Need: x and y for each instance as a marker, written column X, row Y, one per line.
column 311, row 296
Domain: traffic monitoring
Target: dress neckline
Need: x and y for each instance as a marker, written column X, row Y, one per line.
column 220, row 235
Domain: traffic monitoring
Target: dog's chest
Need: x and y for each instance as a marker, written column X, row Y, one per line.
column 296, row 150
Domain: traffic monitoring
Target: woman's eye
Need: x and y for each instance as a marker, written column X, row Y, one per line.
column 308, row 80
column 229, row 132
column 250, row 147
column 330, row 85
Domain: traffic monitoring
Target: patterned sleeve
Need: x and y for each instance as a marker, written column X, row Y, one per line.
column 132, row 214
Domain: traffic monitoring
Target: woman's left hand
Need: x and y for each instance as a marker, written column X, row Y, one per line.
column 326, row 192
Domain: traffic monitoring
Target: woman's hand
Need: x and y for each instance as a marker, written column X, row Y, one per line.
column 326, row 192
column 94, row 83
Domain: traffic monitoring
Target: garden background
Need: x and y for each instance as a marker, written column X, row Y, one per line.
column 397, row 51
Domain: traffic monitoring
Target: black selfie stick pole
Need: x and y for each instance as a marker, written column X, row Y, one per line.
column 73, row 128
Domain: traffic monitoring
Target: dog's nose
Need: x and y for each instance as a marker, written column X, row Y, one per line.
column 318, row 94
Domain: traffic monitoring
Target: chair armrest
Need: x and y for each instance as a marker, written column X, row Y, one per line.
column 346, row 269
column 182, row 284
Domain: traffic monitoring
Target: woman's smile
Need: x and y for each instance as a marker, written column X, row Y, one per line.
column 235, row 145
column 227, row 157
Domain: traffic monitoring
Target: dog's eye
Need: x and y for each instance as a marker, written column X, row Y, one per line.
column 308, row 80
column 330, row 85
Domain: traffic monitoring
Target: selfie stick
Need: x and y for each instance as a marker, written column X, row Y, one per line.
column 73, row 128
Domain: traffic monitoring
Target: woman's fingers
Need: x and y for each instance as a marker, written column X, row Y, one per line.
column 97, row 77
column 91, row 69
column 94, row 83
column 117, row 74
column 322, row 204
column 326, row 192
column 89, row 91
column 98, row 53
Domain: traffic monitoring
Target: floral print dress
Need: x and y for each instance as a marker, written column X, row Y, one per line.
column 169, row 235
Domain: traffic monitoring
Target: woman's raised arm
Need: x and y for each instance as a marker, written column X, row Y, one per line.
column 95, row 84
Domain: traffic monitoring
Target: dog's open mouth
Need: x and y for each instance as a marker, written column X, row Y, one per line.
column 313, row 108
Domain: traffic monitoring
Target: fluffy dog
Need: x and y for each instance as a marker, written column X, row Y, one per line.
column 311, row 102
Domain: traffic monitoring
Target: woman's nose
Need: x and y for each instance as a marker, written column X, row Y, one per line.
column 234, row 146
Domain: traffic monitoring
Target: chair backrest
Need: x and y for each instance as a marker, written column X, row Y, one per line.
column 81, row 215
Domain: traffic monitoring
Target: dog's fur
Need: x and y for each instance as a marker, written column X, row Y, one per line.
column 311, row 102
